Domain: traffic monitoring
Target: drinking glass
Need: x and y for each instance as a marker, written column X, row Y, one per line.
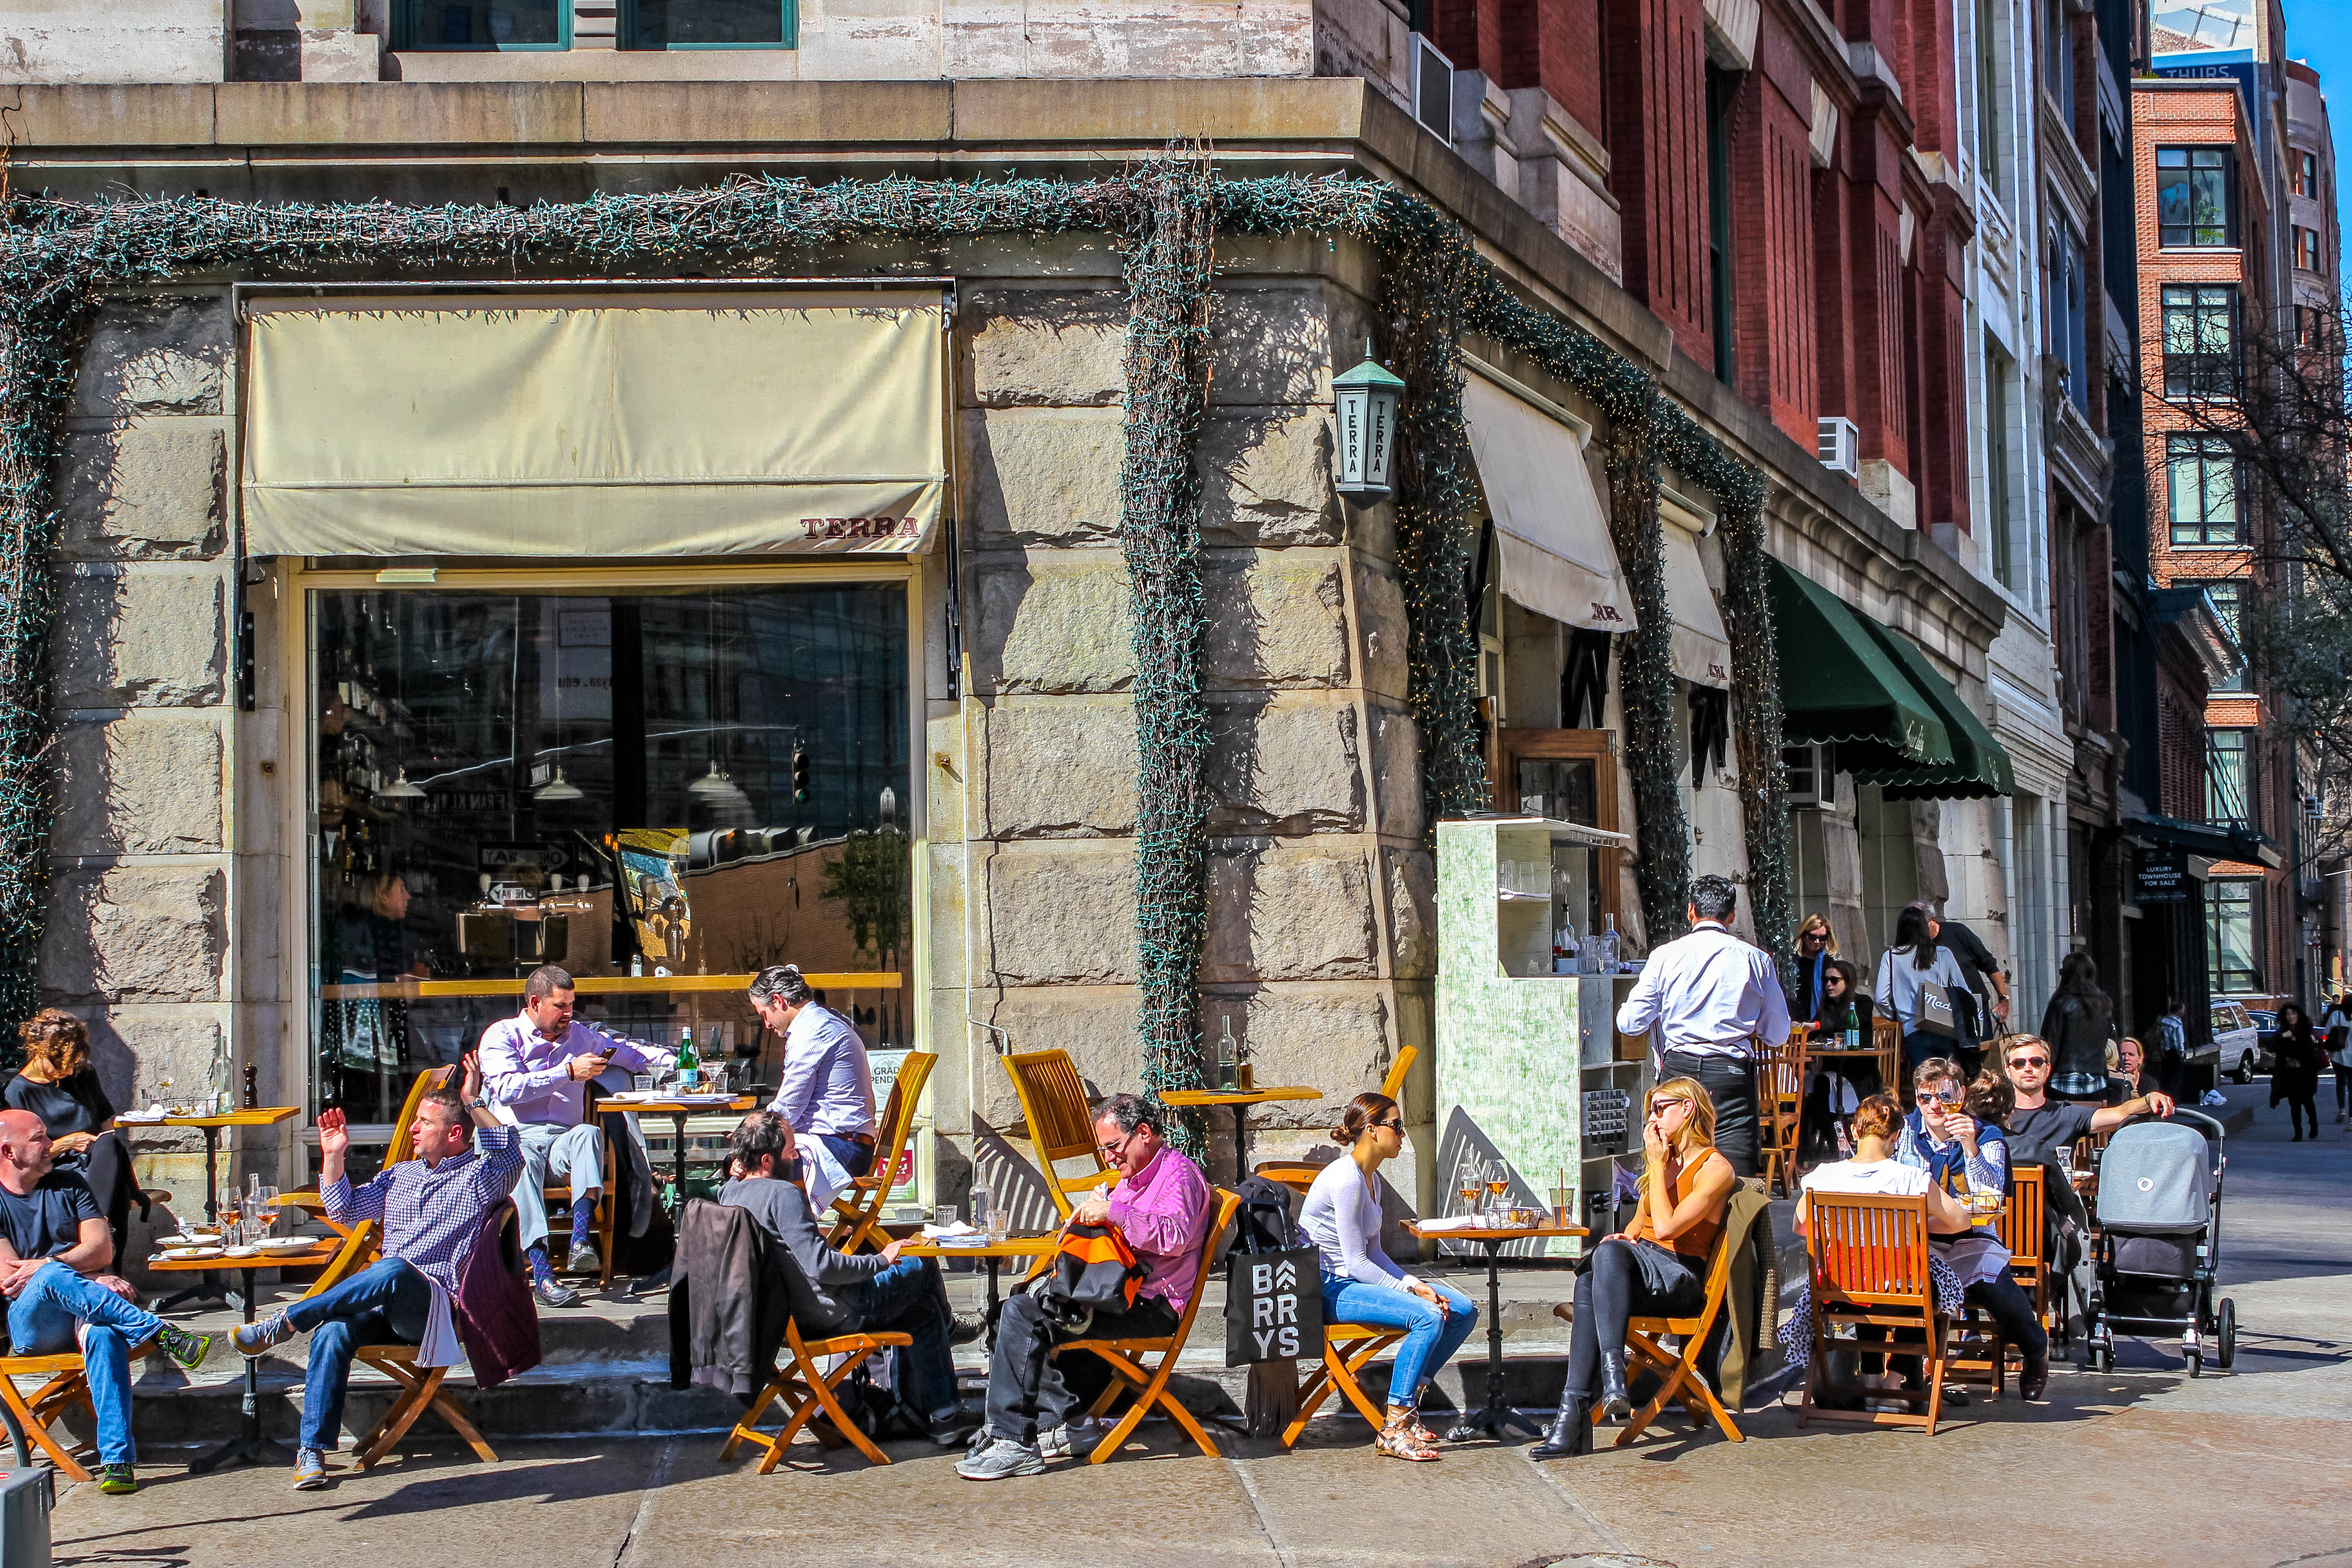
column 1471, row 1182
column 641, row 1082
column 943, row 1216
column 267, row 1210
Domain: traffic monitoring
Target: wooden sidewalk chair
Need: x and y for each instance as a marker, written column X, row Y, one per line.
column 1868, row 1259
column 1779, row 1105
column 1981, row 1353
column 65, row 1386
column 858, row 1213
column 1393, row 1085
column 1886, row 1039
column 1061, row 1123
column 807, row 1391
column 401, row 1147
column 1124, row 1357
column 1346, row 1347
column 421, row 1388
column 1682, row 1379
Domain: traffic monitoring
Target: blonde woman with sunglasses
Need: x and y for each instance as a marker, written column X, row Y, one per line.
column 1657, row 1269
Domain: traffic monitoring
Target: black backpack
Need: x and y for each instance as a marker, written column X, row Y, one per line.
column 1262, row 1223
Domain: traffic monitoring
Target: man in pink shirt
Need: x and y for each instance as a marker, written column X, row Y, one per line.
column 1162, row 1206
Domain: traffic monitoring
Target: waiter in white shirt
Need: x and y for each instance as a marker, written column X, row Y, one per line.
column 825, row 1090
column 1709, row 996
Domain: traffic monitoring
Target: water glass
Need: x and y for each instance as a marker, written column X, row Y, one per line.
column 943, row 1216
column 641, row 1082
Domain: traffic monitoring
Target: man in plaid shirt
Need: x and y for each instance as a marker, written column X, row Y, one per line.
column 431, row 1207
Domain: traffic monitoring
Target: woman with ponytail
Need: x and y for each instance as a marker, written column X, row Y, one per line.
column 1360, row 1285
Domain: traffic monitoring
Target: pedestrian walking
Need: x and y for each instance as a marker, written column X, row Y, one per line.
column 2296, row 1061
column 2077, row 1024
column 1916, row 983
column 2336, row 1029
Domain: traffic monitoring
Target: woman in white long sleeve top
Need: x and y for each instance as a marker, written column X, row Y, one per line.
column 1360, row 1285
column 1903, row 969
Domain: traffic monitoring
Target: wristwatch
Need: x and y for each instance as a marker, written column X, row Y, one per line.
column 477, row 1105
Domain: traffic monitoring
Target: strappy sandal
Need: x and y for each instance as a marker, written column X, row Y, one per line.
column 1427, row 1438
column 1398, row 1440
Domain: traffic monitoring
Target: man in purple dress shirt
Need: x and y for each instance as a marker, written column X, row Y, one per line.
column 537, row 1065
column 1162, row 1206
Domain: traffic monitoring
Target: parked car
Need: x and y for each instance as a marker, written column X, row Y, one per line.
column 2265, row 1038
column 2236, row 1044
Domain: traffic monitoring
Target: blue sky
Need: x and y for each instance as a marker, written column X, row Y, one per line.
column 2316, row 33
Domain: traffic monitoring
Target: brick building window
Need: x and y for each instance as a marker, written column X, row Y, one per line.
column 2229, row 778
column 439, row 26
column 2201, row 489
column 2307, row 248
column 2192, row 196
column 2058, row 58
column 2306, row 174
column 2233, row 936
column 2230, row 604
column 2200, row 340
column 1998, row 525
column 708, row 24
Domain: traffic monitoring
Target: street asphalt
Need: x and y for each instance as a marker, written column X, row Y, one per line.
column 2144, row 1466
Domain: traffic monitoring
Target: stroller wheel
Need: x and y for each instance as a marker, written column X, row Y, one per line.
column 2226, row 1335
column 2196, row 1363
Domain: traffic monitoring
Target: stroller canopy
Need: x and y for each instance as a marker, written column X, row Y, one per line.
column 2156, row 1179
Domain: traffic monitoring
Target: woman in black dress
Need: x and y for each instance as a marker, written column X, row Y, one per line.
column 2296, row 1059
column 57, row 1085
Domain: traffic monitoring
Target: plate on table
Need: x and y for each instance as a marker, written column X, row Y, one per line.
column 192, row 1239
column 288, row 1243
column 191, row 1254
column 247, row 1251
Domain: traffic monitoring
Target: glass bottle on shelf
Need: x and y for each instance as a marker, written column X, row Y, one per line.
column 1609, row 946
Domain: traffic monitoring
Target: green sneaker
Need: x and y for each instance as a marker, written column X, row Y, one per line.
column 117, row 1480
column 187, row 1349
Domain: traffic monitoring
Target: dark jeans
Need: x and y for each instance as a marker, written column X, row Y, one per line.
column 1921, row 1044
column 1025, row 1388
column 909, row 1297
column 1730, row 1083
column 2008, row 1304
column 2343, row 1088
column 2169, row 1065
column 385, row 1303
column 2304, row 1104
column 1627, row 1279
column 855, row 1158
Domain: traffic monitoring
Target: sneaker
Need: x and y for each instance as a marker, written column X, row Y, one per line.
column 966, row 1328
column 552, row 1294
column 309, row 1471
column 584, row 1260
column 999, row 1459
column 117, row 1480
column 254, row 1338
column 954, row 1431
column 1075, row 1440
column 187, row 1349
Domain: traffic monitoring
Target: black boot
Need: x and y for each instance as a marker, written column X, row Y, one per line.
column 1571, row 1431
column 1616, row 1401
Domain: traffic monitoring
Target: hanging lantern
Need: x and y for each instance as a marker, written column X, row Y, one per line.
column 1367, row 399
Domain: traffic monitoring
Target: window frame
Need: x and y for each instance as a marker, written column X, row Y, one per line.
column 2198, row 532
column 2306, row 174
column 2201, row 301
column 626, row 34
column 2230, row 603
column 2223, row 744
column 2225, row 163
column 2253, row 902
column 2306, row 238
column 407, row 34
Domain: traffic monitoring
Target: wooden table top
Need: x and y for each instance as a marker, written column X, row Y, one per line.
column 1238, row 1096
column 322, row 1251
column 260, row 1116
column 679, row 1107
column 1010, row 1246
column 1515, row 1232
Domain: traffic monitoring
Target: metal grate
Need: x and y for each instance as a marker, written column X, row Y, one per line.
column 1604, row 1115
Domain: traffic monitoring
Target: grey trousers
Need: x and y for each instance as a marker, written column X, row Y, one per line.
column 574, row 1154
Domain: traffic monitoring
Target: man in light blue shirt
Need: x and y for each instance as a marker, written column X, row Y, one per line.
column 536, row 1068
column 826, row 1088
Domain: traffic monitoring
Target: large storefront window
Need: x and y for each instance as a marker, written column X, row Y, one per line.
column 2233, row 936
column 660, row 791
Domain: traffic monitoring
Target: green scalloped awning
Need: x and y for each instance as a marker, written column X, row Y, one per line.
column 1840, row 686
column 1979, row 767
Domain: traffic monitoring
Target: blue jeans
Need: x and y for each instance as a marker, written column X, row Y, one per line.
column 1921, row 1044
column 1430, row 1336
column 385, row 1303
column 41, row 1321
column 910, row 1298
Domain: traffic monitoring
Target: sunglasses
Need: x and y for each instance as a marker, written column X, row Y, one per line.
column 2029, row 1061
column 1937, row 1097
column 1814, row 936
column 1395, row 1126
column 1659, row 1107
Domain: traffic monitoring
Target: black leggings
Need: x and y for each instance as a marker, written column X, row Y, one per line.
column 1626, row 1279
column 2304, row 1105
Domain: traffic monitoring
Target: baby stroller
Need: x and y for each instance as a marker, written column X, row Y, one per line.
column 2158, row 1250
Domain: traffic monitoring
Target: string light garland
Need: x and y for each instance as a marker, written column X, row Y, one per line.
column 58, row 256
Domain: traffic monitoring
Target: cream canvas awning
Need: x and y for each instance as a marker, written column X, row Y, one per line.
column 1554, row 543
column 710, row 423
column 1702, row 649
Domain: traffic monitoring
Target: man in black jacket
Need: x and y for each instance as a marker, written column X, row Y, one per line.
column 847, row 1294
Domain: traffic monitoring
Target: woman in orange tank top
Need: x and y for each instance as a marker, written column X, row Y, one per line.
column 1657, row 1269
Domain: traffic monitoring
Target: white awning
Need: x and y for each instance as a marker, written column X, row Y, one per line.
column 1554, row 543
column 1702, row 647
column 712, row 423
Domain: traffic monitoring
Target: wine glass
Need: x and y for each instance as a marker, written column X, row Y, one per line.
column 267, row 1209
column 1471, row 1181
column 1498, row 1181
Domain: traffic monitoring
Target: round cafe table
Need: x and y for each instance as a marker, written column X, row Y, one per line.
column 1497, row 1417
column 212, row 1127
column 678, row 1111
column 1240, row 1099
column 995, row 1253
column 249, row 1445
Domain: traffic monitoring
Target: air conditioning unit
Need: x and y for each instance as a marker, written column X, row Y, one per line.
column 1811, row 773
column 1839, row 441
column 1432, row 88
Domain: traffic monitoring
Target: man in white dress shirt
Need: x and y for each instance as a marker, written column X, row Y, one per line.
column 825, row 1090
column 1709, row 996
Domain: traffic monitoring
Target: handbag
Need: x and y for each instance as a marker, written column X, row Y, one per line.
column 1093, row 1270
column 1274, row 1286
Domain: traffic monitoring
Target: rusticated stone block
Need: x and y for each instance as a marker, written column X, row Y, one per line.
column 1045, row 477
column 1061, row 768
column 1266, row 478
column 1340, row 1039
column 1409, row 882
column 1289, row 912
column 1096, row 1027
column 1396, row 773
column 146, row 490
column 1270, row 343
column 138, row 640
column 1063, row 917
column 1054, row 626
column 1381, row 620
column 137, row 934
column 1274, row 621
column 150, row 785
column 1047, row 347
column 1284, row 769
column 134, row 1046
column 163, row 354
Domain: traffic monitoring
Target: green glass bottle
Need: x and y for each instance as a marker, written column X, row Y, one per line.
column 689, row 1064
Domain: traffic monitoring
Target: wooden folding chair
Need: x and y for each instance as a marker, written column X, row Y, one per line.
column 1779, row 1105
column 856, row 1214
column 401, row 1147
column 1980, row 1352
column 1124, row 1356
column 1061, row 1123
column 1886, row 1039
column 807, row 1391
column 1681, row 1381
column 1868, row 1259
column 65, row 1386
column 1393, row 1085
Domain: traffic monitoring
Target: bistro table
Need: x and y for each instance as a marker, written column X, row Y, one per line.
column 255, row 1116
column 249, row 1445
column 995, row 1252
column 678, row 1111
column 1240, row 1099
column 1497, row 1418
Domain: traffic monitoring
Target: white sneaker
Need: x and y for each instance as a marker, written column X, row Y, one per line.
column 1001, row 1458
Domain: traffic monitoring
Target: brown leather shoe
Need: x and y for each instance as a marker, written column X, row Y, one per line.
column 2035, row 1379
